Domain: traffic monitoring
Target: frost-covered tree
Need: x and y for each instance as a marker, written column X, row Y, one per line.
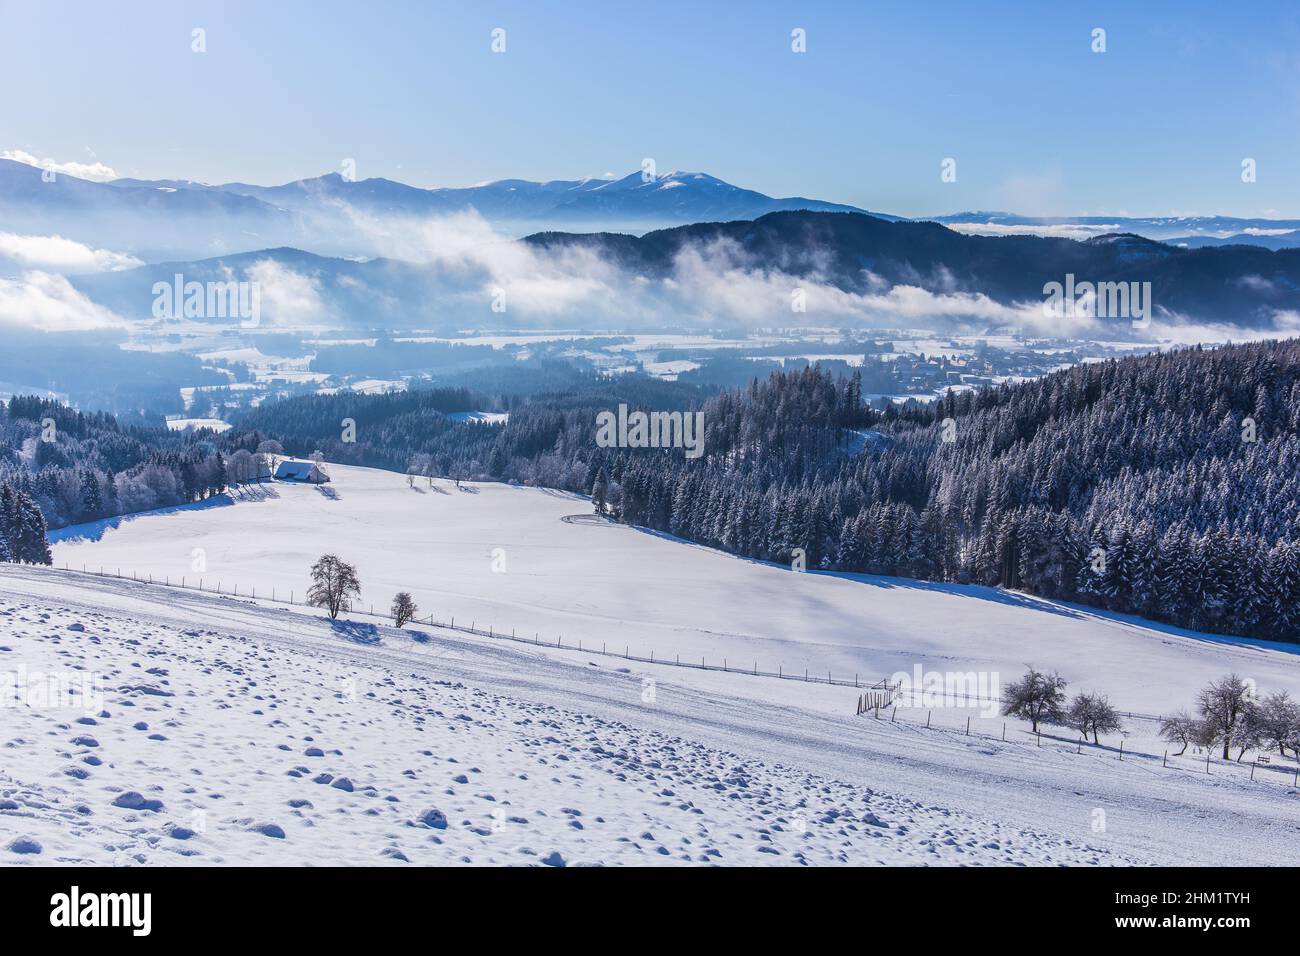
column 1279, row 721
column 1181, row 729
column 403, row 609
column 270, row 452
column 1222, row 705
column 599, row 491
column 1036, row 697
column 1093, row 714
column 334, row 585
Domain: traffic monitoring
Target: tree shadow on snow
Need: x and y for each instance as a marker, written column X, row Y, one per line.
column 329, row 493
column 255, row 491
column 95, row 530
column 1077, row 612
column 358, row 632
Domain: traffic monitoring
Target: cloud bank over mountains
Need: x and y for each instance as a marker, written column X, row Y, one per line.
column 405, row 258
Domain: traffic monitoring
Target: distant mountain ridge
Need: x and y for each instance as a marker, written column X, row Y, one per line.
column 176, row 218
column 1245, row 284
column 1240, row 285
column 182, row 219
column 1191, row 231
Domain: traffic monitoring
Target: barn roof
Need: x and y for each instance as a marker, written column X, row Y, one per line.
column 300, row 470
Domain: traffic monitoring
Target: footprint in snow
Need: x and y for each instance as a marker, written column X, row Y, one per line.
column 133, row 800
column 23, row 845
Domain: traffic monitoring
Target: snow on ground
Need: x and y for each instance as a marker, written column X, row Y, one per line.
column 738, row 764
column 537, row 562
column 220, row 733
column 216, row 731
column 378, row 386
column 485, row 418
column 669, row 370
column 180, row 424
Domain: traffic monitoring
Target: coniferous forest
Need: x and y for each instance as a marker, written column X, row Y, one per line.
column 1166, row 485
column 63, row 467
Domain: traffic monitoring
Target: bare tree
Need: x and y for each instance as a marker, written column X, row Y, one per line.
column 421, row 464
column 241, row 466
column 1180, row 729
column 404, row 608
column 270, row 451
column 318, row 457
column 1036, row 697
column 334, row 585
column 1207, row 734
column 1250, row 729
column 1092, row 713
column 1279, row 717
column 1221, row 704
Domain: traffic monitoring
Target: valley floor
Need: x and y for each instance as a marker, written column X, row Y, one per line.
column 219, row 731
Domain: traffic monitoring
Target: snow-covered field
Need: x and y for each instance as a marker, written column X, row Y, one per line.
column 239, row 718
column 538, row 562
column 180, row 424
column 211, row 730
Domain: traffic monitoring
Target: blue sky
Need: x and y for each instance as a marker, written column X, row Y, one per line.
column 1038, row 123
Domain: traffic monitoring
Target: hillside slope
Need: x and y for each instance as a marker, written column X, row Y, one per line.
column 506, row 557
column 221, row 733
column 211, row 707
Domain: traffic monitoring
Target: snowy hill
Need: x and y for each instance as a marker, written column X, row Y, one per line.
column 211, row 730
column 215, row 729
column 506, row 557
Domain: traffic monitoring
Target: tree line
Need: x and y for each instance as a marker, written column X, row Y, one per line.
column 68, row 467
column 1165, row 485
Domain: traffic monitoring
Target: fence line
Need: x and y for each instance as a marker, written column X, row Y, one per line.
column 978, row 701
column 725, row 667
column 869, row 707
column 881, row 694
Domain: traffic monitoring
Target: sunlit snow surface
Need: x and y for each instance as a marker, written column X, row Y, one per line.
column 239, row 719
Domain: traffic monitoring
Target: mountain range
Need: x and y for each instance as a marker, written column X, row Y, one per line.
column 333, row 214
column 336, row 215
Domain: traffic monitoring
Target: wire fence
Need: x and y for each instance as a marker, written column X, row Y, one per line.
column 877, row 696
column 726, row 665
column 1202, row 759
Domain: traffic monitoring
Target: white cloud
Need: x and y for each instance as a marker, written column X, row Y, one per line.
column 96, row 171
column 61, row 255
column 1065, row 230
column 709, row 284
column 287, row 297
column 48, row 302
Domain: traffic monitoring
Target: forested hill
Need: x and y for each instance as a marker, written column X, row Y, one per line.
column 59, row 466
column 1248, row 285
column 1166, row 485
column 419, row 428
